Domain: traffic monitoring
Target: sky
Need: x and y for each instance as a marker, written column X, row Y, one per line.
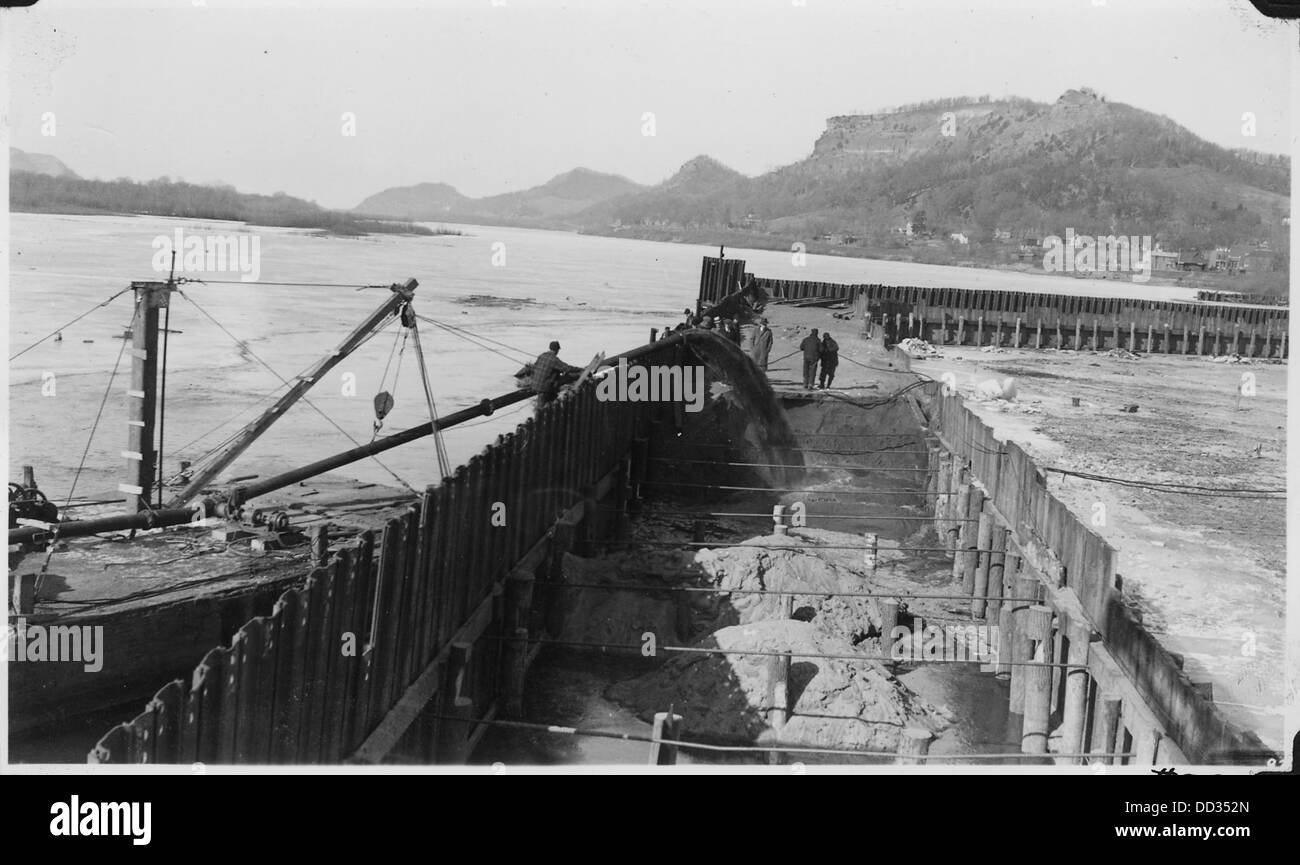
column 498, row 95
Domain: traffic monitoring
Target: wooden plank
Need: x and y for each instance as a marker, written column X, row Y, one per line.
column 113, row 746
column 206, row 696
column 249, row 735
column 169, row 712
column 285, row 708
column 408, row 707
column 343, row 672
column 228, row 721
column 359, row 711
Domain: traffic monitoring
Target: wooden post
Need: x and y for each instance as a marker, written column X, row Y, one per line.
column 24, row 594
column 1075, row 710
column 1105, row 728
column 965, row 561
column 320, row 545
column 1186, row 342
column 666, row 726
column 1017, row 344
column 142, row 395
column 562, row 537
column 1038, row 336
column 960, row 506
column 997, row 572
column 1026, row 587
column 1146, row 742
column 984, row 545
column 1037, row 623
column 779, row 677
column 979, row 332
column 1150, row 338
column 961, row 330
column 29, row 477
column 779, row 528
column 1132, row 336
column 941, row 499
column 453, row 733
column 913, row 745
column 1168, row 344
column 888, row 621
column 518, row 610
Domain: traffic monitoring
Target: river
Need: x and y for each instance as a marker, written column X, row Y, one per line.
column 592, row 293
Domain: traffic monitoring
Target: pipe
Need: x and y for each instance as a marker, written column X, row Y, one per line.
column 486, row 407
column 237, row 495
column 81, row 528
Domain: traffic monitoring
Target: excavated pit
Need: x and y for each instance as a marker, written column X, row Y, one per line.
column 853, row 467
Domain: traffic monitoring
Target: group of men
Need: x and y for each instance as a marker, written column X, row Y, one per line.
column 546, row 375
column 824, row 351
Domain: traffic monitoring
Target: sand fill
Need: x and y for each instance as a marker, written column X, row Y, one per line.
column 835, row 703
column 811, row 579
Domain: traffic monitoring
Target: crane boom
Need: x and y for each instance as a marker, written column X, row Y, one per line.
column 390, row 308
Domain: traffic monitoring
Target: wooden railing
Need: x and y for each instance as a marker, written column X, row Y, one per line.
column 406, row 641
column 1010, row 537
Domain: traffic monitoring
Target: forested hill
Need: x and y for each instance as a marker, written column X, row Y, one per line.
column 68, row 193
column 980, row 168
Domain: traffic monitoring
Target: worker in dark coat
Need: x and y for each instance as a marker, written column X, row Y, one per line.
column 830, row 358
column 812, row 350
column 549, row 372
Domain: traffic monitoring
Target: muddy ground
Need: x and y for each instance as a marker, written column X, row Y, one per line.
column 1206, row 570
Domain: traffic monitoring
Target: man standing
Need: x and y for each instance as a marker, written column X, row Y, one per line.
column 830, row 358
column 549, row 372
column 811, row 347
column 762, row 345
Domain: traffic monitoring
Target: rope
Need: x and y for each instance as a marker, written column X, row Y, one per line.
column 71, row 323
column 721, row 545
column 99, row 414
column 355, row 285
column 792, row 465
column 460, row 334
column 480, row 336
column 718, row 590
column 564, row 730
column 665, row 512
column 1185, row 489
column 819, row 656
column 806, row 491
column 313, row 406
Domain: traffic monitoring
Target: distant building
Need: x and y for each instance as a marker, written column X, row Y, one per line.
column 959, row 237
column 1223, row 260
column 1162, row 260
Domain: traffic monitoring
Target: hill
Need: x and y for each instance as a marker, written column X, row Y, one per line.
column 38, row 163
column 562, row 196
column 989, row 170
column 46, row 193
